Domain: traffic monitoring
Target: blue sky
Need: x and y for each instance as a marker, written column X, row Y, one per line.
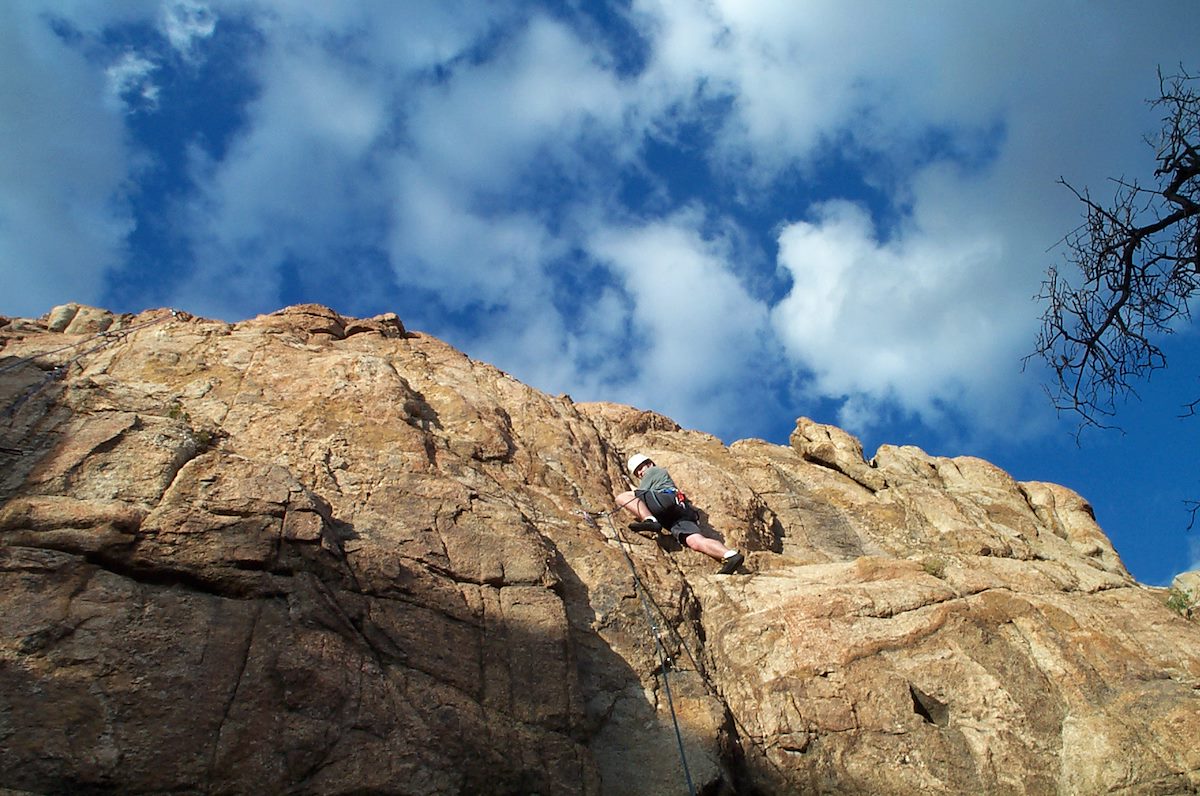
column 734, row 212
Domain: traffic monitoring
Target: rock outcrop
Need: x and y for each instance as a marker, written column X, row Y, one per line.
column 315, row 554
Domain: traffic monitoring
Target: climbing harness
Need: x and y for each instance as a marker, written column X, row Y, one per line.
column 590, row 516
column 663, row 658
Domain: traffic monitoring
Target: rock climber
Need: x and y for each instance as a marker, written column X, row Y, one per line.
column 658, row 504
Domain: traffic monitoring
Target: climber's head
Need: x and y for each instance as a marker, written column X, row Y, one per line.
column 636, row 462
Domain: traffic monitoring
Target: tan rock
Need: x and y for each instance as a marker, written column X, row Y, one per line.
column 311, row 554
column 1187, row 581
column 832, row 447
column 78, row 319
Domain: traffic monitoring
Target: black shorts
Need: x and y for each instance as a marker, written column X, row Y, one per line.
column 679, row 519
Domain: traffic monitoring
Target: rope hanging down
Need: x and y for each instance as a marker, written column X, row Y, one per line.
column 109, row 336
column 663, row 658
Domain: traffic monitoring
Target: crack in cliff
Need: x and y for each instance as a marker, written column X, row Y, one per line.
column 243, row 373
column 369, row 652
column 232, row 698
column 171, row 577
column 947, row 603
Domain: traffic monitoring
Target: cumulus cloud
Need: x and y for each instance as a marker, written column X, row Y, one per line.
column 492, row 155
column 439, row 244
column 187, row 23
column 129, row 84
column 697, row 335
column 63, row 172
column 917, row 299
column 352, row 146
column 296, row 188
column 490, row 124
column 889, row 320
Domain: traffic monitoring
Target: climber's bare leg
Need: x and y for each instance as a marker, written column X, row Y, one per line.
column 706, row 545
column 634, row 505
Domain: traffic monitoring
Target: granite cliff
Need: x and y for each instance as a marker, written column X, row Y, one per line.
column 314, row 554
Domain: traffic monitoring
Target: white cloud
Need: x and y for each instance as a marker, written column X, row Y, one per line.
column 489, row 124
column 697, row 333
column 129, row 85
column 483, row 127
column 86, row 16
column 439, row 243
column 186, row 23
column 934, row 312
column 963, row 125
column 295, row 187
column 63, row 172
column 896, row 320
column 398, row 38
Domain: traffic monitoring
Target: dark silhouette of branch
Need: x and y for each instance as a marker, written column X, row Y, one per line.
column 1137, row 257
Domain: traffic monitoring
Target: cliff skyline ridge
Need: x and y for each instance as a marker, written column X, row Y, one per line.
column 308, row 553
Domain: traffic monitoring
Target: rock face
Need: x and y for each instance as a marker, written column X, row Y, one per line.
column 314, row 554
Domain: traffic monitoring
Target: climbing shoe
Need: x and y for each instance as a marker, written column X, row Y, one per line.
column 648, row 525
column 731, row 562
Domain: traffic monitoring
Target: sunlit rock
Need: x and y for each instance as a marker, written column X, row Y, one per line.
column 313, row 554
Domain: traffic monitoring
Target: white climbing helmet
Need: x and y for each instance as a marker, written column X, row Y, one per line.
column 636, row 461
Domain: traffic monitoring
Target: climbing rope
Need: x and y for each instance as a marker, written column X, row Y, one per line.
column 663, row 659
column 110, row 335
column 106, row 337
column 590, row 516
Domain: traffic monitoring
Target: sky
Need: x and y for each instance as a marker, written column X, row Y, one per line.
column 732, row 212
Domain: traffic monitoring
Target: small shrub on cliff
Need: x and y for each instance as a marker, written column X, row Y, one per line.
column 206, row 439
column 1182, row 602
column 934, row 566
column 176, row 412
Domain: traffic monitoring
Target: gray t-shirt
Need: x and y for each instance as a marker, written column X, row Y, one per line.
column 657, row 479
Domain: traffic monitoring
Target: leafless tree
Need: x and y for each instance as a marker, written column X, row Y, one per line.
column 1139, row 268
column 1137, row 258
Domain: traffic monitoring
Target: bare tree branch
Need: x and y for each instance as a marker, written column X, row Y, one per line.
column 1137, row 257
